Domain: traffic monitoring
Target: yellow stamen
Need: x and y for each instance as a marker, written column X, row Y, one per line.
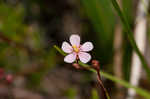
column 76, row 49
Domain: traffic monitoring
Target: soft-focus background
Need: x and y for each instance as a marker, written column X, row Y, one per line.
column 30, row 67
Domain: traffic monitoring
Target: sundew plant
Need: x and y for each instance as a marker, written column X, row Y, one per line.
column 74, row 49
column 79, row 52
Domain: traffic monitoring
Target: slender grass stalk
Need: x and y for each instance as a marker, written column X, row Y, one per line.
column 140, row 91
column 118, row 55
column 140, row 37
column 118, row 51
column 131, row 38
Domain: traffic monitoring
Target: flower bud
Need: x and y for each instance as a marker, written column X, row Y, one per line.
column 95, row 64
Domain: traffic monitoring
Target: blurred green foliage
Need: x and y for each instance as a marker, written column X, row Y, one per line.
column 71, row 93
column 34, row 53
column 11, row 22
column 23, row 45
column 103, row 21
column 95, row 94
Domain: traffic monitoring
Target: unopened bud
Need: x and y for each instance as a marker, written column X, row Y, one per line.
column 95, row 64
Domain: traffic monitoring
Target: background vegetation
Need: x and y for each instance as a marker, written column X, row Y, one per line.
column 29, row 29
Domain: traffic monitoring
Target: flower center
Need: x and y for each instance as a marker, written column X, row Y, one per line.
column 75, row 48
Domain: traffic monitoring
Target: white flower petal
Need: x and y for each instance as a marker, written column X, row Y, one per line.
column 75, row 40
column 87, row 46
column 70, row 58
column 84, row 57
column 66, row 47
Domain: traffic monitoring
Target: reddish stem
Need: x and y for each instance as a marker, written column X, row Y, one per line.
column 101, row 85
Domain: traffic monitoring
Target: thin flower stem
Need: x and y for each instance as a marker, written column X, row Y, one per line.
column 106, row 95
column 100, row 83
column 59, row 50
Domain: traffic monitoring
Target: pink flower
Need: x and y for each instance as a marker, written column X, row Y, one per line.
column 76, row 51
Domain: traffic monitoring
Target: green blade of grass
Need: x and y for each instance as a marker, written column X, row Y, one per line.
column 138, row 90
column 102, row 26
column 130, row 36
